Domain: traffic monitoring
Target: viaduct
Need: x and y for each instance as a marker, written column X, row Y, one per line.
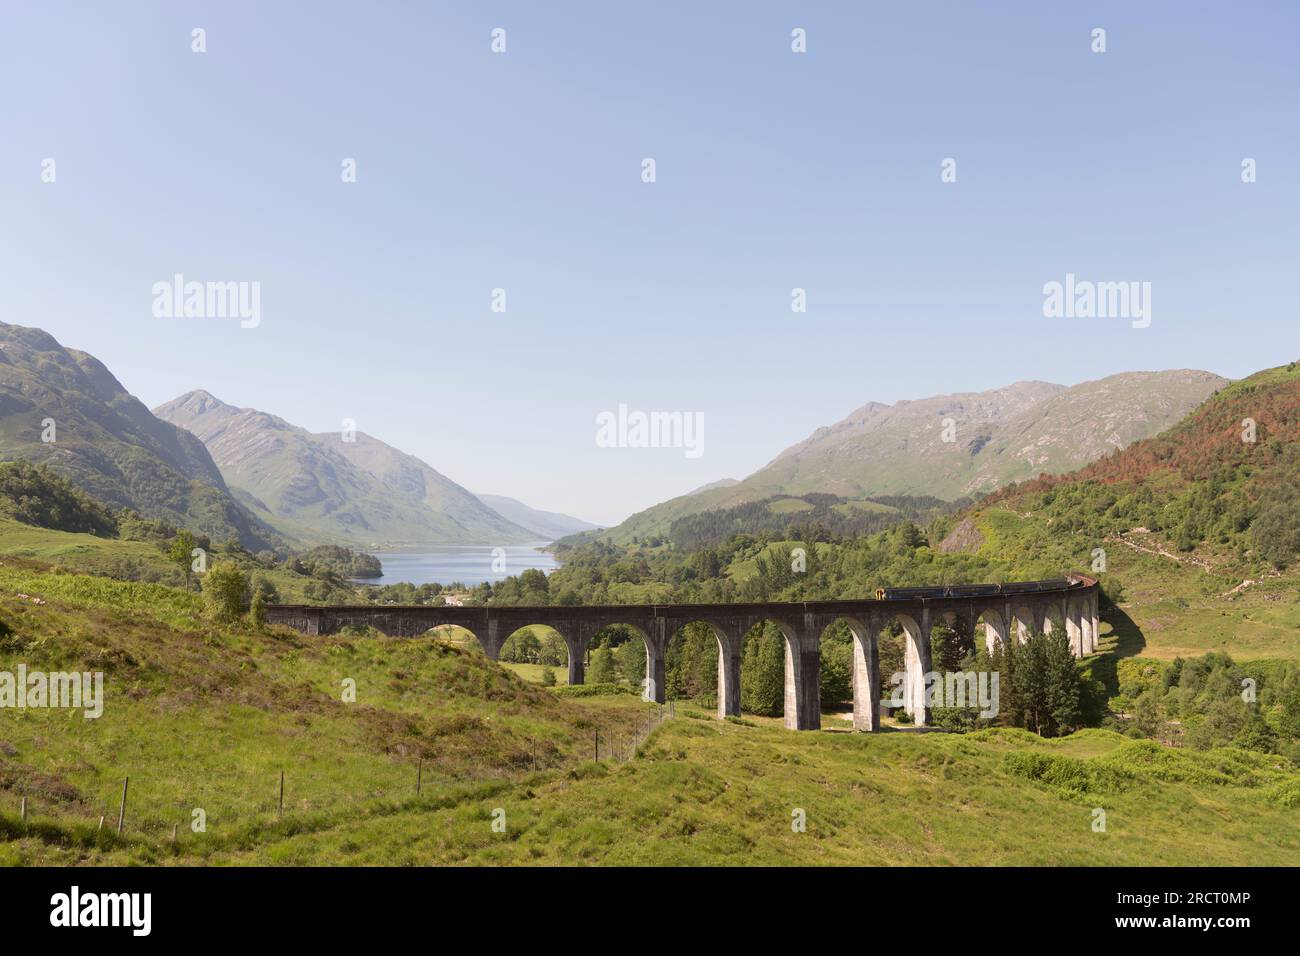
column 1071, row 602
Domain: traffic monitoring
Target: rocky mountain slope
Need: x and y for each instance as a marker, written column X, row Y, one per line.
column 952, row 446
column 360, row 491
column 63, row 408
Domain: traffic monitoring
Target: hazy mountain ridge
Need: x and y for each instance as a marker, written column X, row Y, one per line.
column 549, row 525
column 999, row 436
column 107, row 443
column 363, row 492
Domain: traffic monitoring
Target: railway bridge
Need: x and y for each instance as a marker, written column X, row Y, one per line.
column 1005, row 610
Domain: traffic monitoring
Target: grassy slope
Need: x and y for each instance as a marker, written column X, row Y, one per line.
column 1175, row 603
column 709, row 793
column 85, row 551
column 95, row 555
column 207, row 717
column 1168, row 609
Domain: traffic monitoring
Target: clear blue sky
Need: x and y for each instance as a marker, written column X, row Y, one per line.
column 522, row 171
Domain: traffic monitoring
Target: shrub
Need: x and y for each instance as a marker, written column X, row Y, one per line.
column 257, row 611
column 224, row 587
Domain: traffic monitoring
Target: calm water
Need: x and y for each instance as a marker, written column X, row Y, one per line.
column 469, row 564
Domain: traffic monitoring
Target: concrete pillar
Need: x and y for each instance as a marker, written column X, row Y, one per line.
column 1074, row 631
column 654, row 675
column 803, row 709
column 728, row 675
column 491, row 639
column 866, row 676
column 656, row 648
column 1096, row 619
column 995, row 631
column 916, row 655
column 576, row 642
column 1045, row 625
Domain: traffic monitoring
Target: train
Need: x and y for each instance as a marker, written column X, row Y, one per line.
column 970, row 590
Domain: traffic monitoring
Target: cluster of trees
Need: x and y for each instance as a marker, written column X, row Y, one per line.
column 825, row 518
column 1211, row 701
column 535, row 646
column 405, row 593
column 617, row 656
column 37, row 496
column 1223, row 478
column 330, row 559
column 530, row 588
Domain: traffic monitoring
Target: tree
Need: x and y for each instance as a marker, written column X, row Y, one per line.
column 1047, row 683
column 691, row 664
column 548, row 677
column 521, row 647
column 762, row 671
column 602, row 666
column 1276, row 532
column 257, row 611
column 629, row 660
column 224, row 587
column 553, row 651
column 835, row 676
column 181, row 553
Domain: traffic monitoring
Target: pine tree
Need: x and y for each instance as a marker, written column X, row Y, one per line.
column 602, row 666
column 762, row 672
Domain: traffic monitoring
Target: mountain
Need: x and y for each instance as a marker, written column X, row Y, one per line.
column 548, row 525
column 320, row 487
column 714, row 485
column 1220, row 489
column 953, row 446
column 107, row 443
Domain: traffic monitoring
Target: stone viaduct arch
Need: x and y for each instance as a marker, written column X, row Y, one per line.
column 1004, row 608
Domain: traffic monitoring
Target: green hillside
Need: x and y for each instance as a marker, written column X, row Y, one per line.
column 320, row 487
column 953, row 446
column 63, row 408
column 206, row 717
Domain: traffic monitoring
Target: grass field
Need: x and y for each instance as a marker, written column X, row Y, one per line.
column 206, row 717
column 533, row 672
column 110, row 556
column 84, row 551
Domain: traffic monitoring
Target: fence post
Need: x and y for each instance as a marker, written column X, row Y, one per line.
column 280, row 811
column 121, row 813
column 419, row 777
column 597, row 745
column 22, row 814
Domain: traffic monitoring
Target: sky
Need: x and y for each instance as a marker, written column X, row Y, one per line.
column 524, row 171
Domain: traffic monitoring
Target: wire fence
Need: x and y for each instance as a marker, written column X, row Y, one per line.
column 605, row 745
